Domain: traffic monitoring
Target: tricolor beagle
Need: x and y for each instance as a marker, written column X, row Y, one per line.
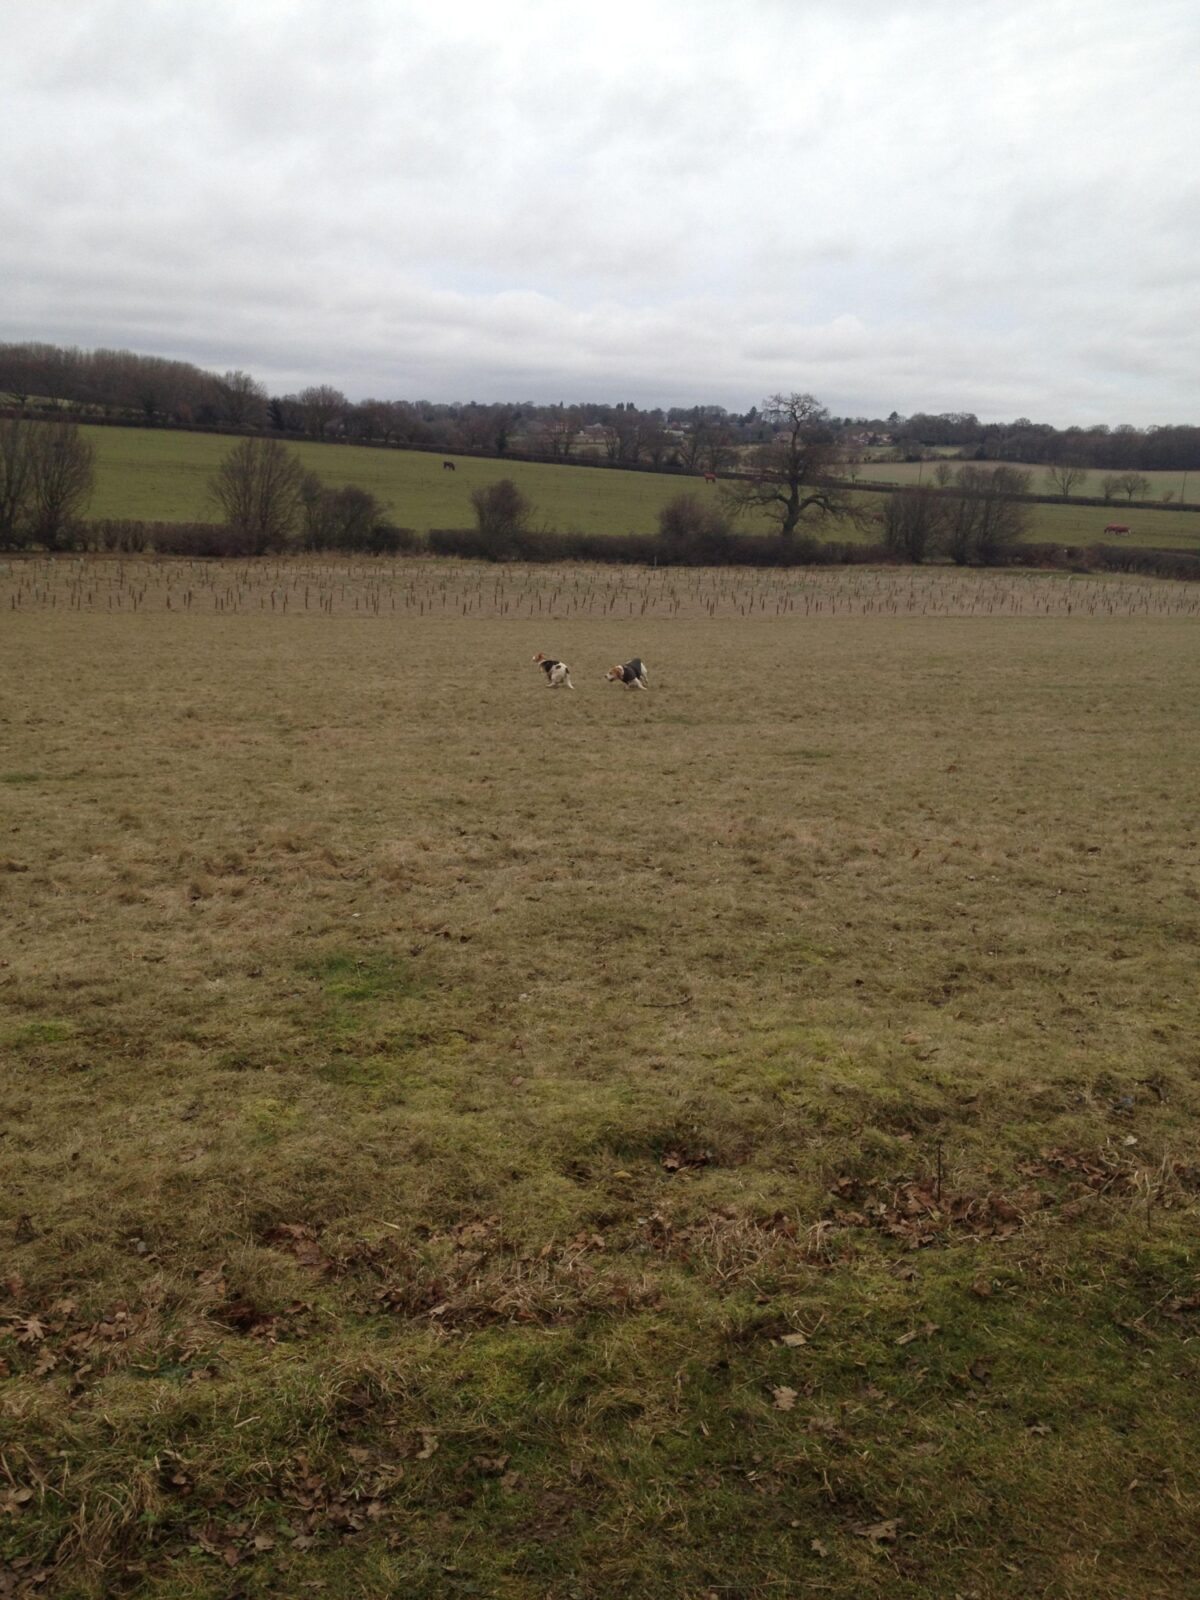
column 633, row 674
column 557, row 672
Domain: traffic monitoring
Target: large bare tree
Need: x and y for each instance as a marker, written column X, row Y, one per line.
column 46, row 475
column 14, row 483
column 63, row 470
column 915, row 521
column 792, row 478
column 257, row 489
column 986, row 515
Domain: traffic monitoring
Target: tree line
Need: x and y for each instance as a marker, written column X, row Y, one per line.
column 265, row 501
column 122, row 385
column 1123, row 449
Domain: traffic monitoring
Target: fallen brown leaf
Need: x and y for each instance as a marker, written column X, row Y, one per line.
column 880, row 1532
column 924, row 1332
column 785, row 1398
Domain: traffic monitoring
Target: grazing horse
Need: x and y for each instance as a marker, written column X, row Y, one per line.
column 710, row 477
column 1117, row 527
column 448, row 466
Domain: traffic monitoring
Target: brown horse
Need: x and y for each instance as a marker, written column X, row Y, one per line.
column 448, row 466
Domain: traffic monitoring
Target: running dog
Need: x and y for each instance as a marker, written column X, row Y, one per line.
column 558, row 673
column 632, row 674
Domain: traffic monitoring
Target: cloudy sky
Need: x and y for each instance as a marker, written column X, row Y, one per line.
column 988, row 205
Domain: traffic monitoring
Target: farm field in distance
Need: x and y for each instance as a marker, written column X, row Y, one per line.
column 460, row 1138
column 162, row 475
column 1182, row 485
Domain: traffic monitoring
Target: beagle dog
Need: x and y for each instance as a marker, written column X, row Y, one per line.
column 633, row 674
column 557, row 672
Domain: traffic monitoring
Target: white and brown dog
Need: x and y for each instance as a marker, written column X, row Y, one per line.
column 632, row 674
column 558, row 673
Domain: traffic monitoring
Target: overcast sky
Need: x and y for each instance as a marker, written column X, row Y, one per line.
column 986, row 205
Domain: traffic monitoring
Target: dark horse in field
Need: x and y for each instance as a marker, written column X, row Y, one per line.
column 448, row 466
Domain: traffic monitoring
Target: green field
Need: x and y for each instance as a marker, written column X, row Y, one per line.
column 1182, row 485
column 158, row 475
column 464, row 1139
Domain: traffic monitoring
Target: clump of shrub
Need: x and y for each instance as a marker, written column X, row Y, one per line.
column 198, row 539
column 644, row 549
column 348, row 518
column 1152, row 563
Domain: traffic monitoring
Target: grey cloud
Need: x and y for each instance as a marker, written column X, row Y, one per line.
column 931, row 205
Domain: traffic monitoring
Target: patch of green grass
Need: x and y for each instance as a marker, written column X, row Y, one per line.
column 20, row 777
column 29, row 1034
column 349, row 976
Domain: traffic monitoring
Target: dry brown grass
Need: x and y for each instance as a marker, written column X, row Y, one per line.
column 440, row 1116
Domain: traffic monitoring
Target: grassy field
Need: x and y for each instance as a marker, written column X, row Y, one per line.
column 158, row 475
column 163, row 475
column 463, row 1139
column 1182, row 485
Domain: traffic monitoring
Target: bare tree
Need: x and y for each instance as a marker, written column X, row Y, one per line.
column 985, row 514
column 915, row 522
column 720, row 450
column 243, row 400
column 321, row 406
column 1110, row 484
column 696, row 434
column 942, row 474
column 1064, row 479
column 1133, row 483
column 654, row 441
column 793, row 475
column 257, row 489
column 623, row 433
column 61, row 474
column 46, row 475
column 707, row 441
column 14, row 483
column 560, row 429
